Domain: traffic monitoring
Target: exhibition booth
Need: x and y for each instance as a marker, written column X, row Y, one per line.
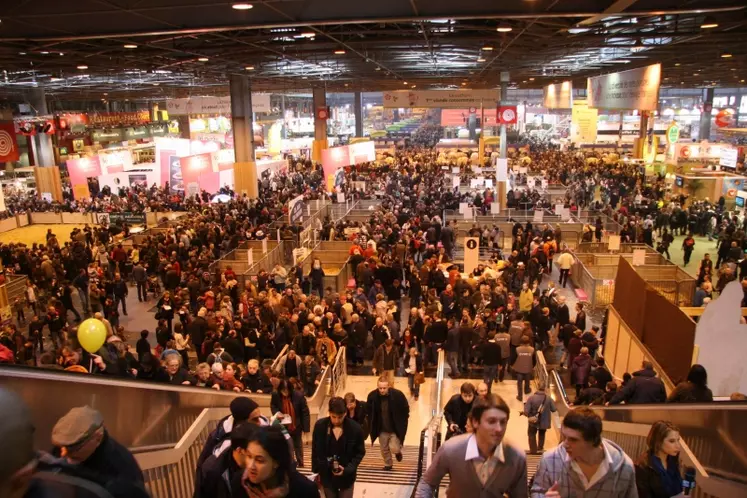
column 706, row 184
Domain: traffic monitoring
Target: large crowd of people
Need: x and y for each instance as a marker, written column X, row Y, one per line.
column 407, row 300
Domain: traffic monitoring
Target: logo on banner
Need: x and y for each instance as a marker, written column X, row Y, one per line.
column 8, row 145
column 322, row 113
column 724, row 118
column 471, row 244
column 507, row 114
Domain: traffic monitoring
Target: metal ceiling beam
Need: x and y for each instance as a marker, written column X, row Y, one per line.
column 615, row 8
column 378, row 20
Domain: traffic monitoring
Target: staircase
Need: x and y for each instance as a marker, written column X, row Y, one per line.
column 371, row 469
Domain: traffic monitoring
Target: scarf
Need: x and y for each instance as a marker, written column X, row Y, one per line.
column 670, row 476
column 290, row 411
column 259, row 491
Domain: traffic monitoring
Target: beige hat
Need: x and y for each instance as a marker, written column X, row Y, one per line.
column 76, row 426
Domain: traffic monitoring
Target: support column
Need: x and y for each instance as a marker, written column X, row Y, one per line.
column 502, row 191
column 705, row 117
column 320, row 125
column 41, row 142
column 284, row 129
column 245, row 169
column 737, row 105
column 358, row 110
column 639, row 146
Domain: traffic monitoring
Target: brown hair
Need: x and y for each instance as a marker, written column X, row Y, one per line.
column 658, row 434
column 481, row 405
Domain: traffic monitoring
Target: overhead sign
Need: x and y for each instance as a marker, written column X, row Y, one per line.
column 558, row 96
column 214, row 105
column 8, row 144
column 115, row 118
column 115, row 135
column 583, row 123
column 458, row 117
column 633, row 89
column 507, row 114
column 445, row 99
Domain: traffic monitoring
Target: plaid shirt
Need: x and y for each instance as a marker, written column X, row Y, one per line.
column 556, row 466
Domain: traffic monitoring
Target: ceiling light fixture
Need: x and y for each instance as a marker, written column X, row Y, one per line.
column 504, row 29
column 404, row 82
column 82, row 67
column 480, row 59
column 21, row 53
column 339, row 52
column 378, row 68
column 130, row 46
column 531, row 79
column 203, row 59
column 677, row 64
column 44, row 53
column 242, row 6
column 487, row 48
column 725, row 55
column 249, row 68
column 709, row 23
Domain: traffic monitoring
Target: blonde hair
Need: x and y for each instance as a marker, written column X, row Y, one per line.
column 252, row 364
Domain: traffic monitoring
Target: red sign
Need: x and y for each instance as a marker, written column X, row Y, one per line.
column 8, row 144
column 507, row 114
column 322, row 113
column 115, row 118
column 67, row 121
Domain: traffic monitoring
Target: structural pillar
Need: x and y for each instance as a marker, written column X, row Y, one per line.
column 319, row 98
column 705, row 116
column 245, row 169
column 502, row 193
column 737, row 105
column 640, row 144
column 358, row 111
column 41, row 143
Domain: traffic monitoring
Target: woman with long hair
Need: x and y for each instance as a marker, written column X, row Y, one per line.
column 694, row 389
column 268, row 472
column 657, row 471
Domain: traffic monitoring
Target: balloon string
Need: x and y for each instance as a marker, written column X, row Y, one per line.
column 90, row 365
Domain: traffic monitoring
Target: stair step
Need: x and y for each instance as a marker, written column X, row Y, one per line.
column 403, row 473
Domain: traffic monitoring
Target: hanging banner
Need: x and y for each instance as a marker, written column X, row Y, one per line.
column 444, row 99
column 214, row 105
column 558, row 96
column 458, row 117
column 136, row 133
column 633, row 89
column 8, row 144
column 583, row 123
column 115, row 135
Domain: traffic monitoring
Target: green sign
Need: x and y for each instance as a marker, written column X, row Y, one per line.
column 159, row 130
column 115, row 135
column 673, row 133
column 136, row 133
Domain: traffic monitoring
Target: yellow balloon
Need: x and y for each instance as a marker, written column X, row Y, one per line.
column 92, row 334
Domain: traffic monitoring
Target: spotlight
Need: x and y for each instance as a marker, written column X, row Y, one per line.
column 242, row 6
column 504, row 28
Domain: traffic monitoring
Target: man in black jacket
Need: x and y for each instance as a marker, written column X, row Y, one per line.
column 644, row 387
column 197, row 331
column 435, row 335
column 457, row 409
column 213, row 479
column 120, row 293
column 337, row 449
column 389, row 414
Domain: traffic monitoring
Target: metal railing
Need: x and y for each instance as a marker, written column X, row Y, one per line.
column 540, row 370
column 339, row 376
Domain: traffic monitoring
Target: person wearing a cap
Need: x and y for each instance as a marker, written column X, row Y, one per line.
column 243, row 409
column 213, row 479
column 82, row 440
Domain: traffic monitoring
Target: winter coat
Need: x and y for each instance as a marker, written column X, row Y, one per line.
column 398, row 407
column 581, row 368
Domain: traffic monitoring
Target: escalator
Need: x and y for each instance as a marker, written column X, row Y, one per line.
column 714, row 436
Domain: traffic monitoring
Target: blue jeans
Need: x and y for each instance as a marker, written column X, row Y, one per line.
column 525, row 379
column 453, row 359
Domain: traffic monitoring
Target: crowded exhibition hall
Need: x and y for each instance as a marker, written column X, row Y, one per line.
column 328, row 249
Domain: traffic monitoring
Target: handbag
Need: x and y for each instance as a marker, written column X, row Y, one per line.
column 535, row 418
column 419, row 378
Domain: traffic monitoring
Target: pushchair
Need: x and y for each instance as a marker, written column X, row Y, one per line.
column 154, row 285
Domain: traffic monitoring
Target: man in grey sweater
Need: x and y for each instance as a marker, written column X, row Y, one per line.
column 480, row 465
column 585, row 464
